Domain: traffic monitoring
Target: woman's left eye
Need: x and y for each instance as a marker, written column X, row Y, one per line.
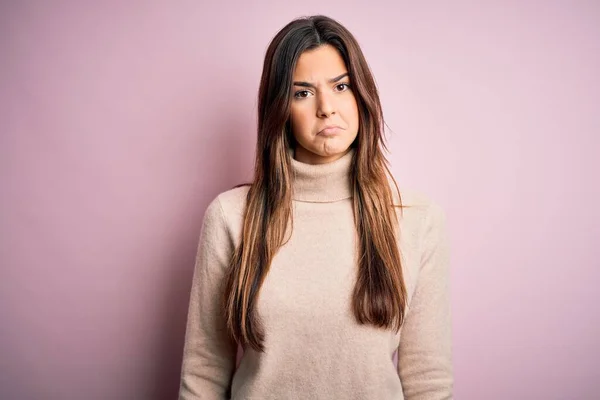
column 343, row 86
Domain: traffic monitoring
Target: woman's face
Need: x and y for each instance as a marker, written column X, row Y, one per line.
column 322, row 97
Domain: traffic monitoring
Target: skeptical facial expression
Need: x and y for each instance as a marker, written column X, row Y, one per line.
column 324, row 112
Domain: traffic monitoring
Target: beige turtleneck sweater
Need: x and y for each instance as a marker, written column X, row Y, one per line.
column 314, row 347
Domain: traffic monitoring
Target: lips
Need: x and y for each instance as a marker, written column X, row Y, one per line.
column 330, row 130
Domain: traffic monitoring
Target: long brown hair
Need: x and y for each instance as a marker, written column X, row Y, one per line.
column 379, row 296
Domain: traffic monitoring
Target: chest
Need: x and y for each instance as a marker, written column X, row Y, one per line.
column 313, row 274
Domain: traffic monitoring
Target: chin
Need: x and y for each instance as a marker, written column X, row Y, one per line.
column 334, row 149
column 325, row 150
column 331, row 155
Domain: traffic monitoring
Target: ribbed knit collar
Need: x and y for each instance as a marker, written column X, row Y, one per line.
column 322, row 183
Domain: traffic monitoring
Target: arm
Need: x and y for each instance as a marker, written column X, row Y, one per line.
column 208, row 356
column 425, row 350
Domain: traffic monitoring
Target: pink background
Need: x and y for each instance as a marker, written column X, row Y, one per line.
column 119, row 122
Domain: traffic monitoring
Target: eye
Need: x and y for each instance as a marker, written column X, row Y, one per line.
column 301, row 94
column 343, row 86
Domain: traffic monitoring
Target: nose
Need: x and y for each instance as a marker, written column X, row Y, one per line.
column 325, row 106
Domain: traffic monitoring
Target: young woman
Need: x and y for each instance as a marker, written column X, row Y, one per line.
column 321, row 268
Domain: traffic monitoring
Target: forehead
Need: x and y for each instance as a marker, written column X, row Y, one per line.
column 322, row 63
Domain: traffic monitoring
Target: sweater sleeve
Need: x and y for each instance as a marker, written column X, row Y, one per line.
column 208, row 356
column 425, row 349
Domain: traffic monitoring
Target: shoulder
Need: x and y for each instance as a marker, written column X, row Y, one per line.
column 233, row 200
column 423, row 203
column 419, row 212
column 228, row 203
column 414, row 201
column 226, row 211
column 424, row 218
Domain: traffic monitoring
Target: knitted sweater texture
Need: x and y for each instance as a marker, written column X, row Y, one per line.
column 315, row 348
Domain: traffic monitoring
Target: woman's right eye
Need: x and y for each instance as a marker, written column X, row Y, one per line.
column 301, row 94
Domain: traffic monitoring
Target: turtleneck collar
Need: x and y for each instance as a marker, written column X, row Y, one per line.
column 322, row 183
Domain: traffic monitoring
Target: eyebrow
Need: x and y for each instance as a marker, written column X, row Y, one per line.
column 332, row 80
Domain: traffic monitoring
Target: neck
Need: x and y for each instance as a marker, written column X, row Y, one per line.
column 322, row 183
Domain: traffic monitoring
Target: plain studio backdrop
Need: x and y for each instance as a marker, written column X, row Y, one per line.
column 120, row 121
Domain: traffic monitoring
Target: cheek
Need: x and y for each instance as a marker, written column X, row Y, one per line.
column 350, row 110
column 300, row 120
